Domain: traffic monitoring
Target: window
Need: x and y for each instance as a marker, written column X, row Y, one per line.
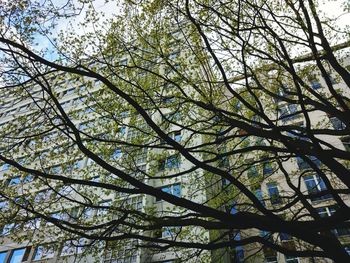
column 88, row 212
column 134, row 203
column 5, row 167
column 88, row 110
column 71, row 247
column 176, row 136
column 291, row 259
column 14, row 181
column 28, row 178
column 285, row 237
column 272, row 259
column 7, row 229
column 315, row 85
column 32, row 224
column 170, row 162
column 346, row 247
column 42, row 196
column 123, row 254
column 174, row 189
column 288, row 112
column 304, row 165
column 171, row 117
column 19, row 255
column 43, row 252
column 69, row 91
column 328, row 211
column 66, row 191
column 104, row 210
column 122, row 131
column 141, row 156
column 267, row 169
column 273, row 193
column 4, row 205
column 259, row 195
column 95, row 179
column 252, row 172
column 315, row 184
column 170, row 231
column 238, row 256
column 174, row 55
column 265, row 234
column 123, row 62
column 58, row 216
column 65, row 104
column 86, row 125
column 78, row 164
column 117, row 154
column 168, row 99
column 68, row 249
column 337, row 124
column 3, row 255
column 89, row 162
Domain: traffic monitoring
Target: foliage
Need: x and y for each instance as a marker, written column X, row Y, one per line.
column 165, row 125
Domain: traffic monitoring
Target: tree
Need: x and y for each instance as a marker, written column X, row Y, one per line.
column 218, row 97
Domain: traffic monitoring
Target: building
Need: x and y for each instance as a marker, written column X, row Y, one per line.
column 114, row 132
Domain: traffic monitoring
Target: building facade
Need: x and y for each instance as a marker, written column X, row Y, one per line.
column 39, row 126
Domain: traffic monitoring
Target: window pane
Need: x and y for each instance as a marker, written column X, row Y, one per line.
column 3, row 256
column 15, row 181
column 267, row 169
column 259, row 195
column 177, row 190
column 17, row 255
column 315, row 84
column 273, row 193
column 252, row 172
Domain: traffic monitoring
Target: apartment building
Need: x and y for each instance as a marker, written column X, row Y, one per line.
column 30, row 119
column 90, row 107
column 267, row 181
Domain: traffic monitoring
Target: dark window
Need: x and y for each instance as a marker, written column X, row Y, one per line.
column 315, row 84
column 314, row 185
column 170, row 162
column 274, row 193
column 328, row 211
column 272, row 259
column 239, row 251
column 259, row 195
column 285, row 236
column 252, row 172
column 288, row 112
column 291, row 259
column 168, row 99
column 267, row 168
column 265, row 234
column 304, row 165
column 337, row 124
